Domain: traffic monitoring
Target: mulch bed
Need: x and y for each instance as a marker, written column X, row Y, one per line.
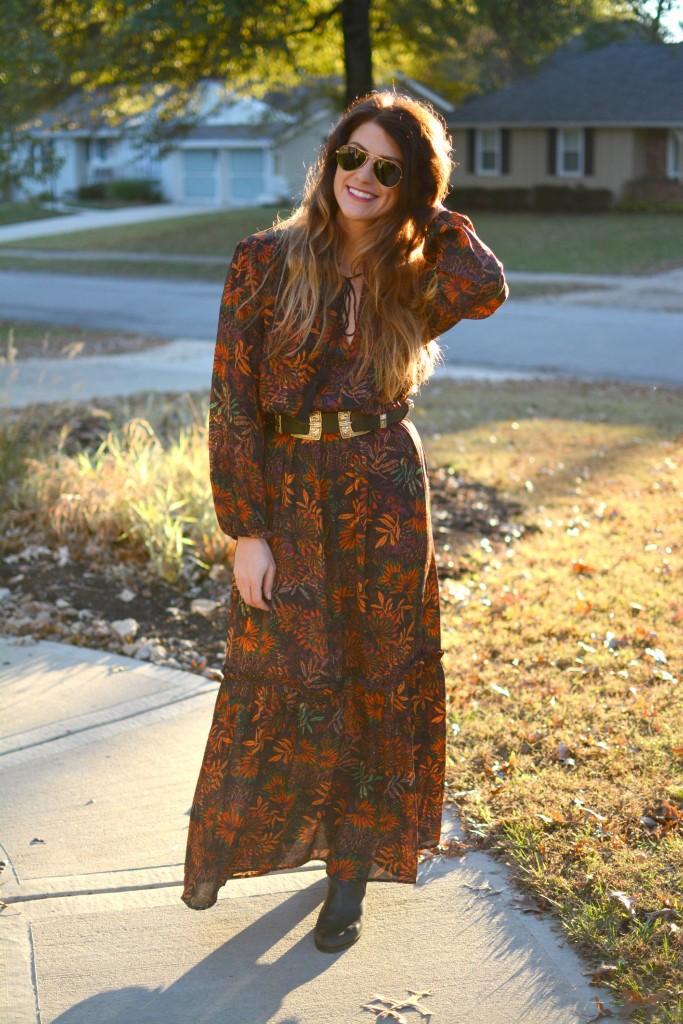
column 50, row 596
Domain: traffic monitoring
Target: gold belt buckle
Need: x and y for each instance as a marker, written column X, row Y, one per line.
column 315, row 429
column 345, row 428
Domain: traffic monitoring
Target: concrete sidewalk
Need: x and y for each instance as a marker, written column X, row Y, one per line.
column 99, row 763
column 83, row 220
column 183, row 365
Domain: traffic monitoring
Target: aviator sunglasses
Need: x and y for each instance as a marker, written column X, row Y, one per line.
column 387, row 172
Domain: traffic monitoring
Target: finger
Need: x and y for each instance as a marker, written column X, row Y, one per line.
column 268, row 581
column 256, row 599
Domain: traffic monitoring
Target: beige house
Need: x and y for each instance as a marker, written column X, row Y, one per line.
column 598, row 118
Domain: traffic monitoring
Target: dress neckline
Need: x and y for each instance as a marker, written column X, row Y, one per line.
column 350, row 307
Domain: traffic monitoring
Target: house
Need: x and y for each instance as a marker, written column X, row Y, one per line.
column 600, row 118
column 238, row 151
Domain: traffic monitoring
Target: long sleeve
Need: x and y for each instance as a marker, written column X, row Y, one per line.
column 470, row 280
column 235, row 418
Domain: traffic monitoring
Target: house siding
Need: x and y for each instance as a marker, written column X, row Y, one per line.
column 297, row 152
column 614, row 161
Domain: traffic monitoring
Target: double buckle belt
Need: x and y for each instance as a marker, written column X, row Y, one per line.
column 348, row 423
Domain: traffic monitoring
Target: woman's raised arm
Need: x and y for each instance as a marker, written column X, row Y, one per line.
column 470, row 279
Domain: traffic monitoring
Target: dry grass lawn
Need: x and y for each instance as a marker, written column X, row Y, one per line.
column 564, row 663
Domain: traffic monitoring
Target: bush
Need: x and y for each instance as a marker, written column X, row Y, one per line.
column 542, row 198
column 652, row 195
column 132, row 189
column 506, row 200
column 569, row 199
column 94, row 191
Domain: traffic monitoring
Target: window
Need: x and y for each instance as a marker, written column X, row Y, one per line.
column 570, row 152
column 488, row 151
column 674, row 158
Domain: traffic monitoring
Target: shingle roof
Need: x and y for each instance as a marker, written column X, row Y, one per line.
column 633, row 83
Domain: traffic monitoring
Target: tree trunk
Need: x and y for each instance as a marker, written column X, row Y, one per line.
column 357, row 48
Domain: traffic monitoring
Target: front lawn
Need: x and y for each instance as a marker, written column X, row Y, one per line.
column 16, row 213
column 613, row 243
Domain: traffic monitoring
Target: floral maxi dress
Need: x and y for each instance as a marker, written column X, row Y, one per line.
column 328, row 734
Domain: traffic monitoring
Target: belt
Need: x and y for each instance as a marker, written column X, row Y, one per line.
column 348, row 423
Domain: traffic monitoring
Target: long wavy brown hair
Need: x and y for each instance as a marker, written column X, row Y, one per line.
column 399, row 286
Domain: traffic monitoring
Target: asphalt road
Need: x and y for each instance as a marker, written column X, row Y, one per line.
column 611, row 343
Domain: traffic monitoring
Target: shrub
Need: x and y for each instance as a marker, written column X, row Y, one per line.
column 131, row 189
column 543, row 198
column 652, row 195
column 570, row 199
column 94, row 191
column 477, row 198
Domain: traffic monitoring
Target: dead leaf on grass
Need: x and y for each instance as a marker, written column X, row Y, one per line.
column 626, row 901
column 583, row 568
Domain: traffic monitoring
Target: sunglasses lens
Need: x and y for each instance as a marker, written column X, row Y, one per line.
column 350, row 159
column 387, row 173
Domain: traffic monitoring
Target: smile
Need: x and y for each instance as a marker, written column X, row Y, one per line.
column 358, row 193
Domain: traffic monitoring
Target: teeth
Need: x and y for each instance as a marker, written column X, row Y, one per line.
column 363, row 195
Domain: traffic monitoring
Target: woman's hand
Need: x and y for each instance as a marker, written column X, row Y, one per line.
column 254, row 571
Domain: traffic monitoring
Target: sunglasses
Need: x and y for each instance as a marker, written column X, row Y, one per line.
column 387, row 172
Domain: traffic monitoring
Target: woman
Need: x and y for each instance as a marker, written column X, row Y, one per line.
column 328, row 737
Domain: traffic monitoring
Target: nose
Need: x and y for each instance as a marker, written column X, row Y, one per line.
column 365, row 173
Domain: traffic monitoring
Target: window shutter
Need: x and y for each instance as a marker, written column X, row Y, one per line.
column 552, row 151
column 471, row 150
column 588, row 150
column 505, row 151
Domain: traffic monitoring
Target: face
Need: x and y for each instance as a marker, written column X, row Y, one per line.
column 359, row 195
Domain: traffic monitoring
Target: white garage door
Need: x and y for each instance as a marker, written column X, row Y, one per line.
column 247, row 174
column 200, row 176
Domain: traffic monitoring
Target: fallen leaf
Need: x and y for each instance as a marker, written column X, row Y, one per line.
column 485, row 888
column 583, row 568
column 603, row 1011
column 625, row 900
column 603, row 973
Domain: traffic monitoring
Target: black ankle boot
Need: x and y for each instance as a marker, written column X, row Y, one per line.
column 341, row 916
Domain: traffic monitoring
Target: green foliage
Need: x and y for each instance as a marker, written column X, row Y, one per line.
column 92, row 191
column 568, row 199
column 542, row 198
column 145, row 189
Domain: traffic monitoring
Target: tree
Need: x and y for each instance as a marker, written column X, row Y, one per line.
column 122, row 46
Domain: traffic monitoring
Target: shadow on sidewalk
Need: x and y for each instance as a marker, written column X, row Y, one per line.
column 229, row 985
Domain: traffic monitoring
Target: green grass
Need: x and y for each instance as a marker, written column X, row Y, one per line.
column 614, row 243
column 211, row 234
column 16, row 213
column 121, row 268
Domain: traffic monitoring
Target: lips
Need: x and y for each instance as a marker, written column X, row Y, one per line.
column 360, row 195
